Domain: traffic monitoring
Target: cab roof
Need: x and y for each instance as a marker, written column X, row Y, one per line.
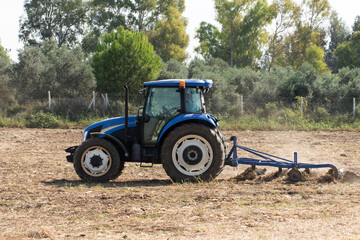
column 202, row 83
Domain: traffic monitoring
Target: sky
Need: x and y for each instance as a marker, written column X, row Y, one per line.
column 196, row 11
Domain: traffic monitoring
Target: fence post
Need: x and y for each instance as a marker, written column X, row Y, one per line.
column 301, row 105
column 354, row 107
column 49, row 96
column 242, row 105
column 92, row 103
column 106, row 100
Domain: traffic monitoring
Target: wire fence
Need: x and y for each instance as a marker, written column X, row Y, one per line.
column 113, row 105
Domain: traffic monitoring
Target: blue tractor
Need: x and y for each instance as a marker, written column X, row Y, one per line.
column 172, row 129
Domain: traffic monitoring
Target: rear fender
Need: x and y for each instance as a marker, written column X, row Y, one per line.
column 201, row 118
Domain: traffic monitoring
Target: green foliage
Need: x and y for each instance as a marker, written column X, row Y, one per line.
column 59, row 20
column 209, row 38
column 338, row 34
column 308, row 33
column 252, row 35
column 321, row 114
column 173, row 69
column 124, row 57
column 270, row 109
column 299, row 84
column 136, row 15
column 356, row 26
column 6, row 92
column 169, row 37
column 347, row 53
column 315, row 56
column 242, row 32
column 221, row 96
column 50, row 68
column 43, row 120
column 4, row 58
column 287, row 13
column 326, row 91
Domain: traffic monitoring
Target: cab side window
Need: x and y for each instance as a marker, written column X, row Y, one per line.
column 193, row 103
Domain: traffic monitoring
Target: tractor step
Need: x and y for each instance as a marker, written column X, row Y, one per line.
column 146, row 165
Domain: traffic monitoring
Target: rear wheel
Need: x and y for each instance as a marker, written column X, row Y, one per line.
column 192, row 152
column 97, row 160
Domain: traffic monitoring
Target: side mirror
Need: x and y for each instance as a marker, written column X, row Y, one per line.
column 140, row 94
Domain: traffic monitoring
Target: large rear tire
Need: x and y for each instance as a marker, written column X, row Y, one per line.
column 193, row 152
column 97, row 160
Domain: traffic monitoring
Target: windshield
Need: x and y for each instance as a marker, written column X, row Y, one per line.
column 163, row 101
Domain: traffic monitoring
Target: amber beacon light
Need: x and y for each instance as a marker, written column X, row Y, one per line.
column 182, row 84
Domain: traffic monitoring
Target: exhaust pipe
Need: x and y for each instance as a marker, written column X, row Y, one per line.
column 126, row 113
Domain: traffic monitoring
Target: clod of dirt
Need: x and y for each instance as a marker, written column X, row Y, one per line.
column 272, row 176
column 328, row 177
column 248, row 174
column 39, row 234
column 260, row 171
column 348, row 176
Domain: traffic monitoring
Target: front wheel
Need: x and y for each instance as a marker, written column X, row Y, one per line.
column 193, row 152
column 97, row 160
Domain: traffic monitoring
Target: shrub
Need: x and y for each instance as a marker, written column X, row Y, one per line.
column 270, row 110
column 42, row 120
column 321, row 114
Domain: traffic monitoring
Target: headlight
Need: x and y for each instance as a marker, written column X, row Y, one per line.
column 85, row 136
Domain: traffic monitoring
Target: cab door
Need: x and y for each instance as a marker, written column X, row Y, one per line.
column 162, row 104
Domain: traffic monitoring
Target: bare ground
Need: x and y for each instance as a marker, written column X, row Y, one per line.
column 42, row 197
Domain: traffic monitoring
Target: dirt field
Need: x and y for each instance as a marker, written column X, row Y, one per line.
column 42, row 197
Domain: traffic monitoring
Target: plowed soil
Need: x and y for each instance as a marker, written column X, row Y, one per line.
column 41, row 197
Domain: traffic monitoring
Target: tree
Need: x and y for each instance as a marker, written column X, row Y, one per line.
column 62, row 21
column 356, row 26
column 348, row 53
column 169, row 37
column 143, row 15
column 242, row 32
column 315, row 56
column 103, row 17
column 317, row 12
column 124, row 57
column 253, row 35
column 338, row 34
column 51, row 68
column 229, row 16
column 209, row 39
column 287, row 14
column 138, row 15
column 308, row 32
column 6, row 95
column 4, row 58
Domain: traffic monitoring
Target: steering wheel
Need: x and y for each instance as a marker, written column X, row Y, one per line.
column 168, row 112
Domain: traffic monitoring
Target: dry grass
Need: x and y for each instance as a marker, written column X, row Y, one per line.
column 42, row 198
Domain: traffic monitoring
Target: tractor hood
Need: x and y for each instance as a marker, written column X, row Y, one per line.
column 109, row 125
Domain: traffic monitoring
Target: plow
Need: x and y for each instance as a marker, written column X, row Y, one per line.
column 265, row 159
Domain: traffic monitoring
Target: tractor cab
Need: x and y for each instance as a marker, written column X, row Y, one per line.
column 168, row 99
